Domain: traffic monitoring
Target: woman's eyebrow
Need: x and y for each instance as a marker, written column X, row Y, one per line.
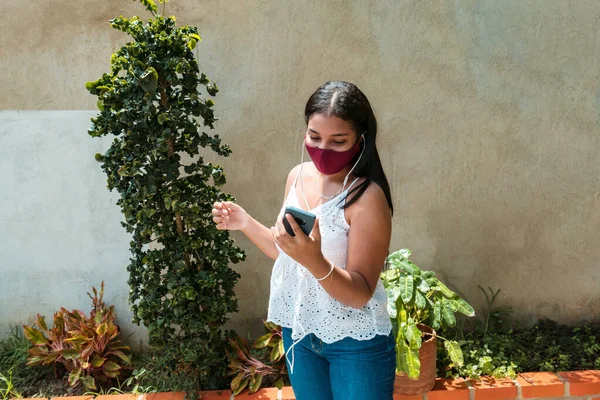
column 335, row 134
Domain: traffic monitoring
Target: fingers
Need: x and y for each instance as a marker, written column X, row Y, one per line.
column 217, row 209
column 230, row 206
column 276, row 236
column 221, row 222
column 316, row 231
column 220, row 213
column 216, row 212
column 280, row 235
column 226, row 206
column 280, row 229
column 295, row 227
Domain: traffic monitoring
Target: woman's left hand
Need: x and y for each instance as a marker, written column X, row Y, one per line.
column 306, row 250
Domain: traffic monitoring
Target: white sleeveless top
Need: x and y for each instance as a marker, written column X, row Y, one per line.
column 298, row 301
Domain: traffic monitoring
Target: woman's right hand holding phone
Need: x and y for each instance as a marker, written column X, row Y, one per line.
column 228, row 215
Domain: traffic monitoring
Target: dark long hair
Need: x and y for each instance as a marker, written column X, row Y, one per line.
column 344, row 100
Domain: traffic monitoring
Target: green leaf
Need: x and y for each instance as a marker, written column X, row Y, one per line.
column 239, row 383
column 444, row 290
column 263, row 341
column 111, row 374
column 406, row 288
column 447, row 313
column 390, row 276
column 463, row 307
column 89, row 382
column 110, row 366
column 149, row 80
column 455, row 352
column 123, row 357
column 423, row 286
column 162, row 118
column 409, row 267
column 275, row 354
column 255, row 383
column 35, row 336
column 41, row 323
column 150, row 5
column 399, row 255
column 428, row 274
column 406, row 253
column 35, row 360
column 401, row 349
column 403, row 315
column 195, row 36
column 74, row 377
column 433, row 283
column 235, row 382
column 69, row 354
column 279, row 383
column 102, row 329
column 437, row 314
column 412, row 334
column 393, row 294
column 97, row 361
column 41, row 357
column 281, row 348
column 408, row 360
column 420, row 301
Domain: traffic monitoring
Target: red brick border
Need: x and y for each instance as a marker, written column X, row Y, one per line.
column 540, row 385
column 528, row 385
column 582, row 383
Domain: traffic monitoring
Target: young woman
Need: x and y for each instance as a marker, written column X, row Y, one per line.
column 325, row 287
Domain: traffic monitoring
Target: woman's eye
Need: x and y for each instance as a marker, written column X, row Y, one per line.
column 316, row 139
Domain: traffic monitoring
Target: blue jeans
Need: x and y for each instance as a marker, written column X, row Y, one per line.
column 348, row 369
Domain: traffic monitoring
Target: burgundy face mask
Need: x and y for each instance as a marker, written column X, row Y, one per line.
column 330, row 162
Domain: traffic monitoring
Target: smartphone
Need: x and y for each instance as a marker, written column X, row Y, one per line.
column 305, row 219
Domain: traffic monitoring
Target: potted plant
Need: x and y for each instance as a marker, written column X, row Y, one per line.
column 418, row 304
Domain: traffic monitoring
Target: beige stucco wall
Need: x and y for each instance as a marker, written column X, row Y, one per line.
column 488, row 110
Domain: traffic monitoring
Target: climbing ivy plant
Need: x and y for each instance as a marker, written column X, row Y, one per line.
column 152, row 104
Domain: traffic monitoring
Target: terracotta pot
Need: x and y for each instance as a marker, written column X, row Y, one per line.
column 427, row 355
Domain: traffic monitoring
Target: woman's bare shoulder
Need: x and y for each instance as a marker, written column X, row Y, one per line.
column 373, row 200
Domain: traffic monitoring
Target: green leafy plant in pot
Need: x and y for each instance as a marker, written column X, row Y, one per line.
column 418, row 304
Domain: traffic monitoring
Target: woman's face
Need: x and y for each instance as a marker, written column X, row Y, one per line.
column 331, row 133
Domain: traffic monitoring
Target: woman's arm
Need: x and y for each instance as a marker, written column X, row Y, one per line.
column 229, row 215
column 261, row 236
